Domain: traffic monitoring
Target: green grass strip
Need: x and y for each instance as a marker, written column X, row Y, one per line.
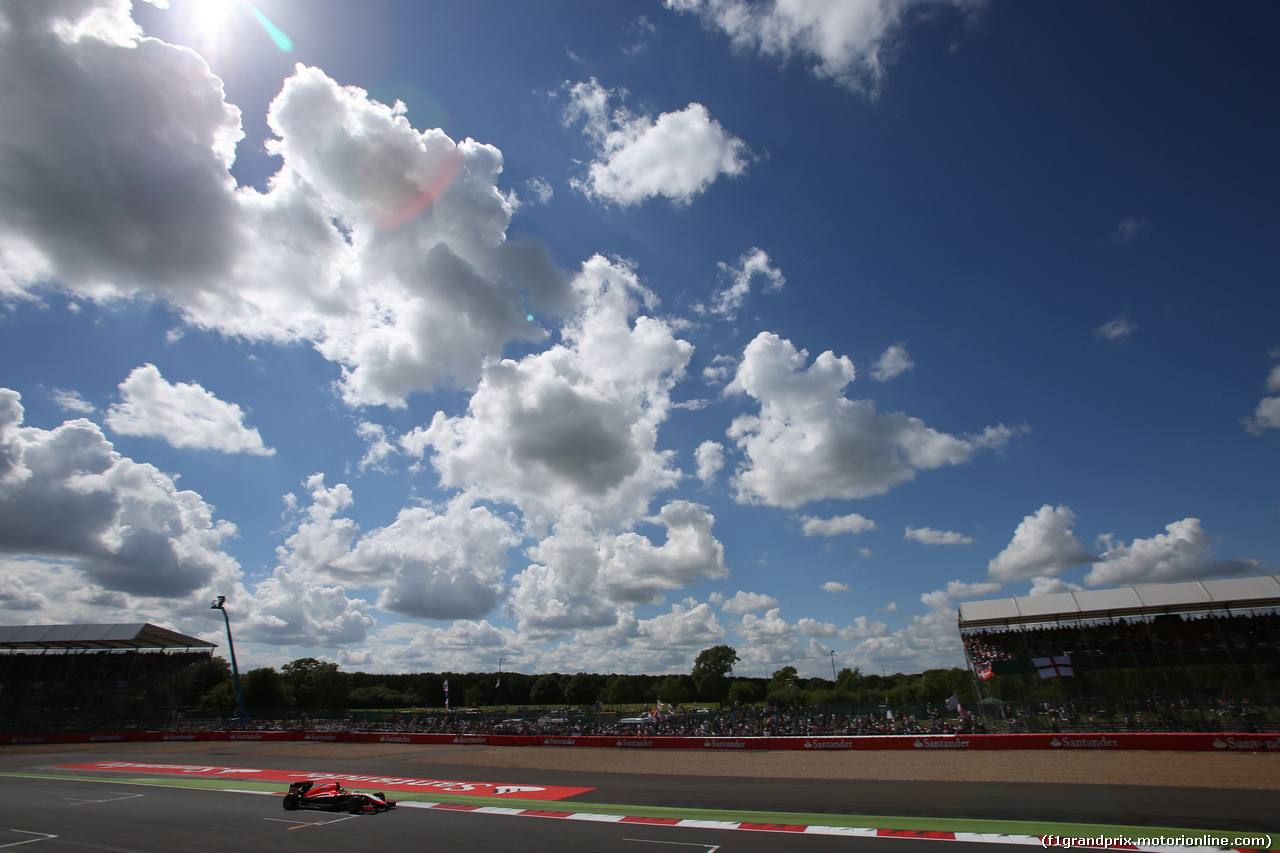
column 940, row 824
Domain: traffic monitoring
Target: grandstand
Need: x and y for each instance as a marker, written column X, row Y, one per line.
column 91, row 676
column 1163, row 647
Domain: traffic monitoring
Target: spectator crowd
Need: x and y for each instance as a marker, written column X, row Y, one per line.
column 1164, row 633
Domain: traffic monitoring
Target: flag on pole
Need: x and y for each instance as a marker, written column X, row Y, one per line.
column 984, row 670
column 446, row 693
column 1054, row 667
column 953, row 704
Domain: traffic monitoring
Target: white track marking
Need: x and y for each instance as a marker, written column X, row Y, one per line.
column 44, row 836
column 83, row 802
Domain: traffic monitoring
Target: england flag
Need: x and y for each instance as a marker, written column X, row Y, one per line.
column 1054, row 667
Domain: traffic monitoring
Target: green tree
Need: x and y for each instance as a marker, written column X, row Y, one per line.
column 474, row 694
column 219, row 700
column 195, row 681
column 377, row 696
column 745, row 692
column 620, row 690
column 673, row 690
column 582, row 689
column 547, row 690
column 316, row 685
column 265, row 693
column 904, row 692
column 783, row 689
column 849, row 680
column 818, row 691
column 711, row 670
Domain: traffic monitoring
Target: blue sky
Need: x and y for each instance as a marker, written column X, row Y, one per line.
column 584, row 336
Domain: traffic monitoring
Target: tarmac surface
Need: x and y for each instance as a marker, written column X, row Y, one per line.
column 103, row 815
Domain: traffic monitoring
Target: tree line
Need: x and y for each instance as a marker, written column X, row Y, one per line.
column 318, row 688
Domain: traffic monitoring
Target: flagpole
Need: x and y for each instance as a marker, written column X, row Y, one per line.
column 973, row 676
column 497, row 687
column 977, row 690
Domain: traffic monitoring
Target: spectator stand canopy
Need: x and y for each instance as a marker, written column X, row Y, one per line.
column 1229, row 595
column 79, row 638
column 87, row 677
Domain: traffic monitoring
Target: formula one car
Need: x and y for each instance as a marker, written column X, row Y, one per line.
column 331, row 796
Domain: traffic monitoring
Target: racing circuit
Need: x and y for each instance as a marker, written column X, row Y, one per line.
column 213, row 797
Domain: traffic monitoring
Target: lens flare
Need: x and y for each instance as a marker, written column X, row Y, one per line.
column 278, row 35
column 213, row 26
column 419, row 197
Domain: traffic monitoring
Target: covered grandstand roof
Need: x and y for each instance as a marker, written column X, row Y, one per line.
column 134, row 635
column 1224, row 594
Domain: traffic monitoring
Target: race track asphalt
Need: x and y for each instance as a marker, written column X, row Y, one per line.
column 100, row 815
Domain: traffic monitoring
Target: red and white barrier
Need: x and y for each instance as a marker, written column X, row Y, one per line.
column 1232, row 742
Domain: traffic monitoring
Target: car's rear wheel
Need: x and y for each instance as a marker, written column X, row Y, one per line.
column 290, row 802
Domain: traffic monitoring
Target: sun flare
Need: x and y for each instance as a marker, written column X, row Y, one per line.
column 211, row 25
column 210, row 18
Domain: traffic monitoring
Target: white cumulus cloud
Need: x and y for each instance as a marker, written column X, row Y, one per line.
column 744, row 602
column 893, row 362
column 678, row 155
column 809, row 442
column 426, row 563
column 182, row 414
column 851, row 523
column 684, row 627
column 1043, row 544
column 382, row 246
column 584, row 577
column 575, row 424
column 1266, row 415
column 710, row 459
column 940, row 599
column 66, row 494
column 861, row 629
column 767, row 630
column 1052, row 586
column 1183, row 552
column 752, row 264
column 71, row 401
column 849, row 41
column 929, row 536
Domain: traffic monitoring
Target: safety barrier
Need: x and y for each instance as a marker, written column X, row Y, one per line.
column 1235, row 742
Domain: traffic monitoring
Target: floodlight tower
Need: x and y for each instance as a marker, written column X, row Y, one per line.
column 219, row 603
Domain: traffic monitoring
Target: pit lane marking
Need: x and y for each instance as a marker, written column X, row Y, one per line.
column 44, row 836
column 710, row 848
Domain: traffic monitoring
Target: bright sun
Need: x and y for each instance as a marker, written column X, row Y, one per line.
column 210, row 22
column 209, row 18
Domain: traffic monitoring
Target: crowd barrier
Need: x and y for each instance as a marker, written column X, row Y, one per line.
column 1238, row 742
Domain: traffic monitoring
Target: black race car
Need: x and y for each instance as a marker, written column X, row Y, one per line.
column 332, row 797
